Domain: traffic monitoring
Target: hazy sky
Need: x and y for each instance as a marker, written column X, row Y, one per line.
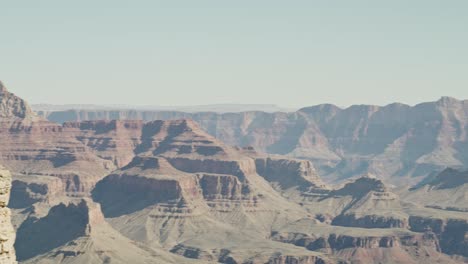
column 290, row 52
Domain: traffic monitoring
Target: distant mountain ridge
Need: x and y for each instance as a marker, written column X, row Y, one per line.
column 218, row 108
column 393, row 141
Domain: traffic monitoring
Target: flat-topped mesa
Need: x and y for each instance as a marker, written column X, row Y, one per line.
column 7, row 233
column 13, row 107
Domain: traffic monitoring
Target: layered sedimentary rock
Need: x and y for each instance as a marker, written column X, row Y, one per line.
column 452, row 232
column 394, row 140
column 289, row 173
column 365, row 202
column 444, row 197
column 76, row 232
column 199, row 198
column 63, row 223
column 365, row 246
column 446, row 190
column 42, row 148
column 7, row 233
column 34, row 146
column 171, row 192
column 111, row 140
column 12, row 107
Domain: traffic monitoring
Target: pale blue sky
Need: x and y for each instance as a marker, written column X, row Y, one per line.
column 291, row 53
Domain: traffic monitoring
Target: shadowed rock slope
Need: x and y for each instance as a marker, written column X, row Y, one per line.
column 77, row 233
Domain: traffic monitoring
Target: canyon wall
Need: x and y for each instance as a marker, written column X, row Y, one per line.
column 399, row 141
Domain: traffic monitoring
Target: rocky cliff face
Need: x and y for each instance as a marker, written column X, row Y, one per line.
column 452, row 233
column 192, row 190
column 76, row 232
column 364, row 246
column 446, row 190
column 34, row 146
column 365, row 203
column 43, row 148
column 394, row 140
column 110, row 140
column 12, row 106
column 63, row 223
column 171, row 192
column 7, row 233
column 288, row 173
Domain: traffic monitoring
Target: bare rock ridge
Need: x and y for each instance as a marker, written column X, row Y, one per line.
column 447, row 190
column 112, row 140
column 7, row 233
column 300, row 173
column 62, row 224
column 128, row 191
column 400, row 141
column 365, row 202
column 12, row 106
column 76, row 232
column 373, row 206
column 34, row 146
column 185, row 183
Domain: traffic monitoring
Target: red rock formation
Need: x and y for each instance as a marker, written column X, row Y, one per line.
column 394, row 140
column 289, row 173
column 31, row 145
column 171, row 184
column 111, row 140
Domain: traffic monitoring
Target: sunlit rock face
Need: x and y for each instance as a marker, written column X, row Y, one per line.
column 12, row 106
column 7, row 233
